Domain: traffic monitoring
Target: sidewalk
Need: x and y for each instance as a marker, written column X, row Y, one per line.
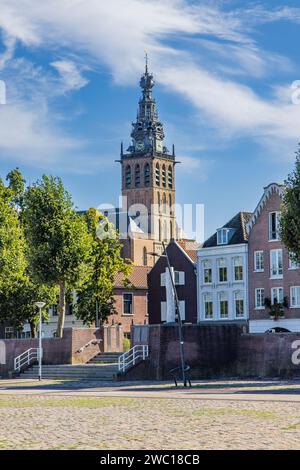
column 236, row 390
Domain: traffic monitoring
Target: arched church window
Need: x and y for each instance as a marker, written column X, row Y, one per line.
column 165, row 231
column 147, row 174
column 128, row 176
column 170, row 177
column 145, row 260
column 170, row 203
column 137, row 175
column 163, row 176
column 164, row 203
column 157, row 174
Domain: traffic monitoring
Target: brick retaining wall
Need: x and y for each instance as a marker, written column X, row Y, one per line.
column 64, row 350
column 222, row 350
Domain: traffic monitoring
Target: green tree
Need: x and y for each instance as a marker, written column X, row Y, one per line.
column 58, row 240
column 17, row 303
column 290, row 215
column 17, row 187
column 18, row 291
column 96, row 296
column 12, row 241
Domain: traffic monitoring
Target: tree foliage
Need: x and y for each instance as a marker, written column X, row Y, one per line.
column 18, row 291
column 290, row 215
column 58, row 240
column 105, row 261
column 12, row 241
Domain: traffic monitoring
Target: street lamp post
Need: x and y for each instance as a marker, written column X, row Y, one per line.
column 40, row 305
column 181, row 342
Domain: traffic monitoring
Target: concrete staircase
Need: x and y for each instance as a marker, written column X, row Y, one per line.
column 105, row 358
column 101, row 367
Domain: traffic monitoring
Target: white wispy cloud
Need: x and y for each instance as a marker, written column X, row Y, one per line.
column 115, row 34
column 71, row 75
column 198, row 167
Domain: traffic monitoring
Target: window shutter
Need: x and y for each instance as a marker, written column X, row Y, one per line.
column 163, row 311
column 182, row 309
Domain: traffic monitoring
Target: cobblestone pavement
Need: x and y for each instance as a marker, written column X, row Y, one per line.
column 211, row 415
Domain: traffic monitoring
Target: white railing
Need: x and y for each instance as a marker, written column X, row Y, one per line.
column 93, row 342
column 131, row 357
column 26, row 358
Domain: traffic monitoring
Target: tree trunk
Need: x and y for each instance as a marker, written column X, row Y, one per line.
column 61, row 309
column 32, row 329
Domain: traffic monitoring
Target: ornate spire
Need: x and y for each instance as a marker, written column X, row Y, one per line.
column 147, row 133
column 146, row 62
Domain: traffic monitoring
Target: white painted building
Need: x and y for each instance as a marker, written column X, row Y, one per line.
column 49, row 327
column 222, row 273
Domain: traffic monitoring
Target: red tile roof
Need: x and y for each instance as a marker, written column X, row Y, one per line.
column 190, row 247
column 138, row 277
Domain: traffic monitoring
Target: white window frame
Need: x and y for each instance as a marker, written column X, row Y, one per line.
column 278, row 275
column 132, row 304
column 242, row 295
column 219, row 305
column 181, row 310
column 222, row 236
column 293, row 264
column 262, row 296
column 239, row 265
column 9, row 332
column 225, row 266
column 163, row 310
column 262, row 263
column 297, row 296
column 204, row 268
column 277, row 216
column 179, row 278
column 275, row 293
column 210, row 301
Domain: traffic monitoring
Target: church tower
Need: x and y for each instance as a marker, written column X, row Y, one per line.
column 148, row 172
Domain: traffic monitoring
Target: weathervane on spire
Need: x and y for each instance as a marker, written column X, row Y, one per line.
column 146, row 61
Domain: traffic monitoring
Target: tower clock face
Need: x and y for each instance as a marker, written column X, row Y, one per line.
column 139, row 146
column 159, row 146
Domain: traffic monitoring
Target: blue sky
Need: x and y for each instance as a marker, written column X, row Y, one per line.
column 223, row 73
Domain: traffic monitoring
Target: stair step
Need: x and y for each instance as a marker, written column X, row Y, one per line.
column 99, row 360
column 74, row 372
column 106, row 372
column 68, row 377
column 77, row 366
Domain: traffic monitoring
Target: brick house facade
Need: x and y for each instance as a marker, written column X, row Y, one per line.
column 271, row 273
column 131, row 303
column 182, row 256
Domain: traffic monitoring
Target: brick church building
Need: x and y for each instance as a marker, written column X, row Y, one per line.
column 146, row 216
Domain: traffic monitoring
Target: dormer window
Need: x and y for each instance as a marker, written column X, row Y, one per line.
column 222, row 236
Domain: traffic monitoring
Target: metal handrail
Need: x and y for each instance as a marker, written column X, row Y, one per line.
column 138, row 352
column 92, row 341
column 26, row 358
